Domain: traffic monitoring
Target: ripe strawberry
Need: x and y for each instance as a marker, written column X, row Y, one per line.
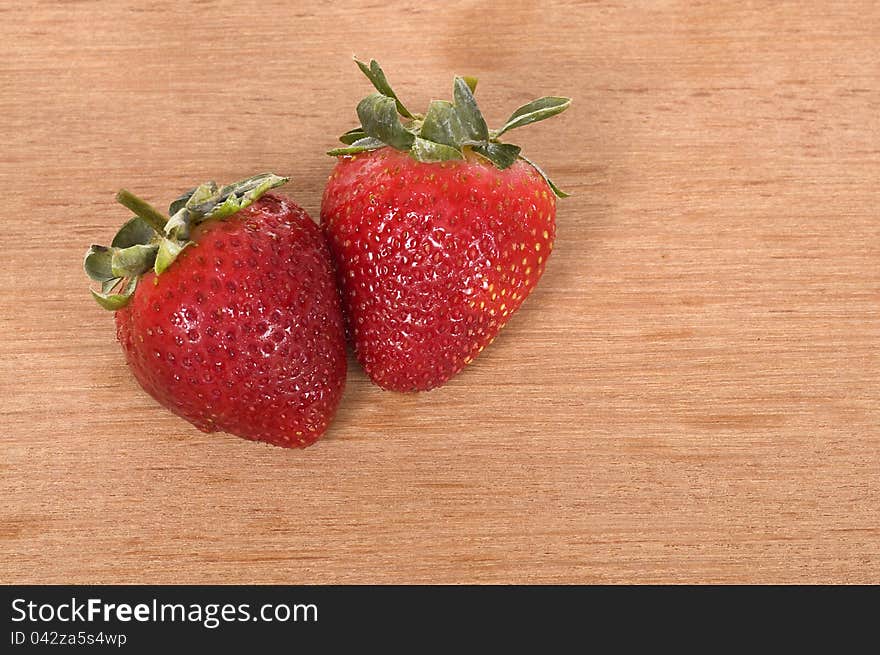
column 438, row 231
column 227, row 312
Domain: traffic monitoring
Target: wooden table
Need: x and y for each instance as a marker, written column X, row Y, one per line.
column 691, row 395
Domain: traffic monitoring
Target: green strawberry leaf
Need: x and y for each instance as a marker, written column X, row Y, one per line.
column 116, row 301
column 380, row 120
column 178, row 225
column 469, row 114
column 471, row 82
column 135, row 231
column 134, row 260
column 167, row 253
column 534, row 111
column 209, row 202
column 205, row 192
column 503, row 155
column 361, row 145
column 442, row 125
column 353, row 135
column 107, row 285
column 377, row 77
column 180, row 202
column 431, row 151
column 559, row 193
column 97, row 263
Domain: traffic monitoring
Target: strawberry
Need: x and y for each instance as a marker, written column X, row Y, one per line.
column 227, row 312
column 437, row 229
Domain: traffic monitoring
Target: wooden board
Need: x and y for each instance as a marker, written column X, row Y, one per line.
column 691, row 395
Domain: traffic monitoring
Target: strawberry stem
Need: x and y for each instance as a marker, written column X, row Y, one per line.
column 142, row 208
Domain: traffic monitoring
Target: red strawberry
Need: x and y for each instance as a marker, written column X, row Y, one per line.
column 227, row 312
column 438, row 231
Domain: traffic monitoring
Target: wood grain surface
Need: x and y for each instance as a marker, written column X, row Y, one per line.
column 691, row 394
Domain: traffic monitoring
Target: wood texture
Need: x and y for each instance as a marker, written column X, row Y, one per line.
column 691, row 395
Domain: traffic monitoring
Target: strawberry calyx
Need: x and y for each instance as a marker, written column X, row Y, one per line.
column 447, row 131
column 151, row 240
